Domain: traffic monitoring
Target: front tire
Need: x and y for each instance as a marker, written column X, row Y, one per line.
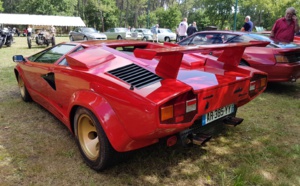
column 167, row 39
column 85, row 38
column 119, row 38
column 92, row 141
column 23, row 90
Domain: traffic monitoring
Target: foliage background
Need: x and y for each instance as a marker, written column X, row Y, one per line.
column 104, row 14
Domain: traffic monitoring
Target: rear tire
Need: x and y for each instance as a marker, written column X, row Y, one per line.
column 71, row 38
column 144, row 39
column 23, row 90
column 92, row 141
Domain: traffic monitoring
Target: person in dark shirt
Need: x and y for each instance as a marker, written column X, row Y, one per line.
column 192, row 29
column 247, row 26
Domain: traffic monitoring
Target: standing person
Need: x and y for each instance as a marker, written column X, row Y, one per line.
column 182, row 28
column 29, row 31
column 192, row 29
column 154, row 31
column 285, row 28
column 25, row 32
column 53, row 30
column 247, row 26
column 251, row 23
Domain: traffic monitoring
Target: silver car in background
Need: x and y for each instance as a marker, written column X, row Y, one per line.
column 142, row 34
column 166, row 35
column 86, row 33
column 118, row 33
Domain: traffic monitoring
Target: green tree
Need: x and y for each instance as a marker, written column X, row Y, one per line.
column 219, row 11
column 169, row 18
column 100, row 14
column 1, row 6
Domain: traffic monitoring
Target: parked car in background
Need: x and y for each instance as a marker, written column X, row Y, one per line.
column 118, row 33
column 166, row 35
column 86, row 33
column 142, row 34
column 117, row 96
column 280, row 60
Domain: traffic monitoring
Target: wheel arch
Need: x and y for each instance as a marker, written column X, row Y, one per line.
column 106, row 116
column 16, row 72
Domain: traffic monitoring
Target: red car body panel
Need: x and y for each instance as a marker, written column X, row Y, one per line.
column 297, row 39
column 263, row 58
column 128, row 114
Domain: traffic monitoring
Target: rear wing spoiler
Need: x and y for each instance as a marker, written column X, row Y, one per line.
column 171, row 57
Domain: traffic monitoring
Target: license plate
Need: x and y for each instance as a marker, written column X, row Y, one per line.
column 216, row 114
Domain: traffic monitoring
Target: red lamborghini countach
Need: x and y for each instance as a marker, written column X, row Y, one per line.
column 118, row 96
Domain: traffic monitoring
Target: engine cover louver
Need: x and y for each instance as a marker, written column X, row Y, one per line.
column 135, row 75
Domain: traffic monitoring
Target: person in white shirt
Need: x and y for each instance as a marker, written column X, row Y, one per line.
column 29, row 31
column 182, row 28
column 53, row 30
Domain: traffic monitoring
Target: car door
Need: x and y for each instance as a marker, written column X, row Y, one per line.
column 77, row 34
column 39, row 72
column 110, row 33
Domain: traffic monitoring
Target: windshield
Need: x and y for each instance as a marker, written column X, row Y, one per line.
column 259, row 37
column 165, row 31
column 147, row 31
column 92, row 30
column 273, row 42
column 121, row 29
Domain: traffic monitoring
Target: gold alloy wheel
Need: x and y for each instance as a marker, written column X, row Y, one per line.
column 21, row 86
column 88, row 137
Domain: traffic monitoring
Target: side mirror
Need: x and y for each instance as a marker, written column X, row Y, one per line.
column 18, row 58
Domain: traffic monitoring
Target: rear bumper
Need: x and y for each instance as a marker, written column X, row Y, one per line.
column 283, row 72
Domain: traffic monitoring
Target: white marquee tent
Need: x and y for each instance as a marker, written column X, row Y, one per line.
column 27, row 19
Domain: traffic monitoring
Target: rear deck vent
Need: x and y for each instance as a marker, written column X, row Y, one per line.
column 135, row 75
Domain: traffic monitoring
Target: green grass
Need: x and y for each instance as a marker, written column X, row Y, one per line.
column 36, row 149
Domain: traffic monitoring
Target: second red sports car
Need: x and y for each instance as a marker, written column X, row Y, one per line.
column 280, row 60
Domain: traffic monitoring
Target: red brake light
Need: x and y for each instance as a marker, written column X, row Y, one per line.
column 258, row 82
column 281, row 59
column 180, row 109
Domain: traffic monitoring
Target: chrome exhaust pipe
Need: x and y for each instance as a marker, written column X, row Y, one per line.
column 201, row 139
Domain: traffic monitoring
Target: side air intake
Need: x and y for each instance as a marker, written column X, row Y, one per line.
column 135, row 75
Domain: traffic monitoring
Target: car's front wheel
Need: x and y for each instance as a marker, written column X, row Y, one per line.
column 119, row 37
column 71, row 38
column 144, row 39
column 23, row 90
column 85, row 38
column 92, row 141
column 167, row 39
